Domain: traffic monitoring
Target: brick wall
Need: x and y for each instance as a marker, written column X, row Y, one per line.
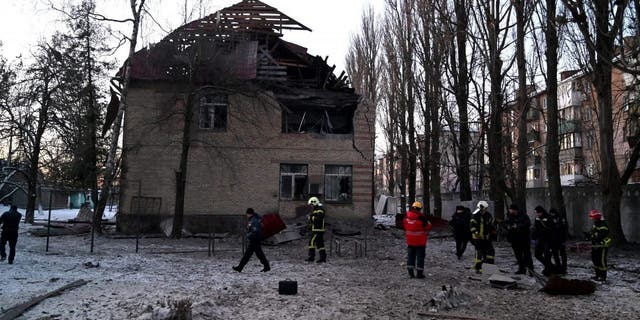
column 230, row 171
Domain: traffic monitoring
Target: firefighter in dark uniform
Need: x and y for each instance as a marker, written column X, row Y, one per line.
column 316, row 219
column 482, row 233
column 600, row 242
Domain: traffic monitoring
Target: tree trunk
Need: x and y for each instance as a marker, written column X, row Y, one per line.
column 552, row 144
column 494, row 138
column 110, row 166
column 435, row 152
column 610, row 178
column 462, row 97
column 523, row 109
column 181, row 174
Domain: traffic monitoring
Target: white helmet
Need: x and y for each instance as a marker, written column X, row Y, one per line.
column 482, row 205
column 314, row 201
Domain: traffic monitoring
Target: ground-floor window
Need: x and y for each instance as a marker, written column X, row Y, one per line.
column 337, row 183
column 294, row 181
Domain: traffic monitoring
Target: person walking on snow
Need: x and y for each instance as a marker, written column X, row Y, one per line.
column 542, row 233
column 482, row 233
column 518, row 234
column 460, row 225
column 416, row 229
column 254, row 236
column 10, row 222
column 558, row 240
column 600, row 242
column 316, row 218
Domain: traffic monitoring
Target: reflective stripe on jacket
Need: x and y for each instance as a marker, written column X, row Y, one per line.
column 416, row 229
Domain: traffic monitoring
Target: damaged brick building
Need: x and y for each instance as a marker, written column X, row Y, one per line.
column 271, row 124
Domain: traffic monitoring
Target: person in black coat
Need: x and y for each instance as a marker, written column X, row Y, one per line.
column 558, row 239
column 542, row 233
column 460, row 225
column 10, row 222
column 254, row 236
column 518, row 234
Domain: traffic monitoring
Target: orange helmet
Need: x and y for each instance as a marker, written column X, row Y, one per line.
column 595, row 215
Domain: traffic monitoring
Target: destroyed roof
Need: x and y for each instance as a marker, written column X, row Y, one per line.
column 245, row 16
column 241, row 42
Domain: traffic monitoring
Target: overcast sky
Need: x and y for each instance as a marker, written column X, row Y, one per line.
column 25, row 22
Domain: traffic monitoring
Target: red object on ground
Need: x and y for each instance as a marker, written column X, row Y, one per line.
column 271, row 224
column 438, row 222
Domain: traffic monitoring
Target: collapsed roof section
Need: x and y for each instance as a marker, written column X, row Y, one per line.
column 244, row 42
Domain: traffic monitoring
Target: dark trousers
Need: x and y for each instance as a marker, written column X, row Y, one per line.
column 415, row 258
column 461, row 246
column 543, row 254
column 599, row 259
column 560, row 257
column 522, row 251
column 317, row 241
column 484, row 253
column 12, row 238
column 254, row 247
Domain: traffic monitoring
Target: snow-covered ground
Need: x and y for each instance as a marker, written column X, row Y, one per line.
column 61, row 214
column 127, row 284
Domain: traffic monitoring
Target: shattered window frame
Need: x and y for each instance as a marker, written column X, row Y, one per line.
column 213, row 112
column 338, row 183
column 294, row 181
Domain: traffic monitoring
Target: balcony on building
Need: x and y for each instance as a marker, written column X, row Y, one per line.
column 569, row 126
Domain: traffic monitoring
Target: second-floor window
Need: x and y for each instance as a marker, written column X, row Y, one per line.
column 213, row 111
column 570, row 140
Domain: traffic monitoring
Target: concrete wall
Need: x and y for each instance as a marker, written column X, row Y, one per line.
column 579, row 201
column 230, row 171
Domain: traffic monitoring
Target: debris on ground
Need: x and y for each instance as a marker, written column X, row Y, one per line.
column 448, row 298
column 561, row 286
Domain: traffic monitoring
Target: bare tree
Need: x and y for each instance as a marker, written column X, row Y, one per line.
column 493, row 19
column 599, row 22
column 124, row 81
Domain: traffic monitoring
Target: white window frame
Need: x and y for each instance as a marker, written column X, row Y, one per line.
column 293, row 176
column 208, row 104
column 345, row 171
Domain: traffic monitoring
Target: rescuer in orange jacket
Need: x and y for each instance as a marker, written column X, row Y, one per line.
column 416, row 228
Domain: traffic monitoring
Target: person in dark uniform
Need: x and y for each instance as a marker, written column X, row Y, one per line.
column 600, row 242
column 518, row 234
column 542, row 232
column 10, row 222
column 482, row 232
column 254, row 236
column 558, row 240
column 461, row 229
column 316, row 219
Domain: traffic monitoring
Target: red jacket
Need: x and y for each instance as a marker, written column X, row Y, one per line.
column 415, row 229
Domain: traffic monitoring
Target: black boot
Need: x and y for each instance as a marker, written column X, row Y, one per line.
column 312, row 255
column 420, row 274
column 238, row 268
column 323, row 256
column 411, row 274
column 266, row 267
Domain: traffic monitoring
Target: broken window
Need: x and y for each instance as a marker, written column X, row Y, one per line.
column 213, row 112
column 294, row 182
column 337, row 183
column 324, row 121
